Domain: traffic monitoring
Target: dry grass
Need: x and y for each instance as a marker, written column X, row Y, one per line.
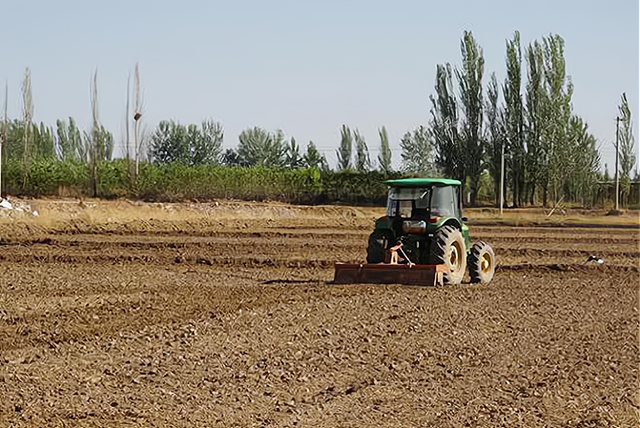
column 56, row 212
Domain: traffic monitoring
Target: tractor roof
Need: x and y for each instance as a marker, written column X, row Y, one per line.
column 422, row 182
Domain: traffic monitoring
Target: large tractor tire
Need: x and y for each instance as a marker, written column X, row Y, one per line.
column 449, row 249
column 379, row 242
column 482, row 263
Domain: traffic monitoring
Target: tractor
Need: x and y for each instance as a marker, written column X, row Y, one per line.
column 422, row 239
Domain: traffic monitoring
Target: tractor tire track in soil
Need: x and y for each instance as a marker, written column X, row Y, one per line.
column 236, row 323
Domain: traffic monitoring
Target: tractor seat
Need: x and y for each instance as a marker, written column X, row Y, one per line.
column 420, row 213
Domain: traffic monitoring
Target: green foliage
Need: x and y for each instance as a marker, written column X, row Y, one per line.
column 101, row 142
column 45, row 177
column 173, row 142
column 417, row 151
column 514, row 120
column 584, row 165
column 206, row 143
column 313, row 158
column 70, row 143
column 363, row 162
column 346, row 148
column 558, row 93
column 293, row 157
column 626, row 139
column 536, row 158
column 355, row 188
column 179, row 182
column 449, row 148
column 259, row 147
column 494, row 136
column 175, row 182
column 470, row 83
column 384, row 158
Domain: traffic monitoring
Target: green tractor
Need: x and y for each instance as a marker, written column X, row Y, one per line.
column 422, row 234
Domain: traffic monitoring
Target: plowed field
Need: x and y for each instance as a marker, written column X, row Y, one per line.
column 227, row 317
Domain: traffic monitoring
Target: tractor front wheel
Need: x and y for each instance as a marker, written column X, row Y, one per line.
column 482, row 263
column 449, row 249
column 379, row 242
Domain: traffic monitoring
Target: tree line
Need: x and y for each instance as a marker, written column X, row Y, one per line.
column 477, row 129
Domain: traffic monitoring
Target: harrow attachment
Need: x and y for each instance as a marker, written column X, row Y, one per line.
column 386, row 273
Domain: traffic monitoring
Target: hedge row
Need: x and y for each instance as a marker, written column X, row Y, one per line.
column 175, row 182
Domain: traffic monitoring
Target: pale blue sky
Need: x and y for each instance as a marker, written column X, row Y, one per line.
column 304, row 66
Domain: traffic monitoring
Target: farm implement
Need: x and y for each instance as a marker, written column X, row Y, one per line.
column 422, row 239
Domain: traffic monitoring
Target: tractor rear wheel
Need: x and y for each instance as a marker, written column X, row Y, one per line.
column 482, row 263
column 379, row 242
column 449, row 249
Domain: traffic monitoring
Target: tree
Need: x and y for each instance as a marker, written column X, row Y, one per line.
column 470, row 83
column 449, row 150
column 313, row 158
column 585, row 163
column 169, row 143
column 206, row 143
column 384, row 158
column 514, row 122
column 230, row 158
column 27, row 110
column 536, row 156
column 494, row 135
column 626, row 139
column 293, row 157
column 43, row 141
column 5, row 125
column 417, row 151
column 259, row 147
column 346, row 148
column 189, row 145
column 557, row 106
column 363, row 162
column 69, row 141
column 137, row 116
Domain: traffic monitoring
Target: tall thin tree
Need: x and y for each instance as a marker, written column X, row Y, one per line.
column 417, row 151
column 626, row 146
column 514, row 121
column 363, row 162
column 127, row 134
column 626, row 138
column 27, row 110
column 558, row 93
column 5, row 126
column 95, row 143
column 536, row 116
column 137, row 115
column 494, row 135
column 384, row 158
column 346, row 148
column 449, row 150
column 470, row 84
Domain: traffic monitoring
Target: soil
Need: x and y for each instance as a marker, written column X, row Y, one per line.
column 227, row 316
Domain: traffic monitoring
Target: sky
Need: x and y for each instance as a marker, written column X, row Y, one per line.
column 303, row 66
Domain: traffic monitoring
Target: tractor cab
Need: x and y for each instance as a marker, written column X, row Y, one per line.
column 417, row 207
column 426, row 203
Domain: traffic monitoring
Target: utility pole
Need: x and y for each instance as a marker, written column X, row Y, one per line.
column 617, row 181
column 502, row 179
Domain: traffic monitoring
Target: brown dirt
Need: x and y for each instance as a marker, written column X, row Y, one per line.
column 225, row 315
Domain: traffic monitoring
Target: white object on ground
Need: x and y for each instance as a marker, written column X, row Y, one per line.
column 6, row 204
